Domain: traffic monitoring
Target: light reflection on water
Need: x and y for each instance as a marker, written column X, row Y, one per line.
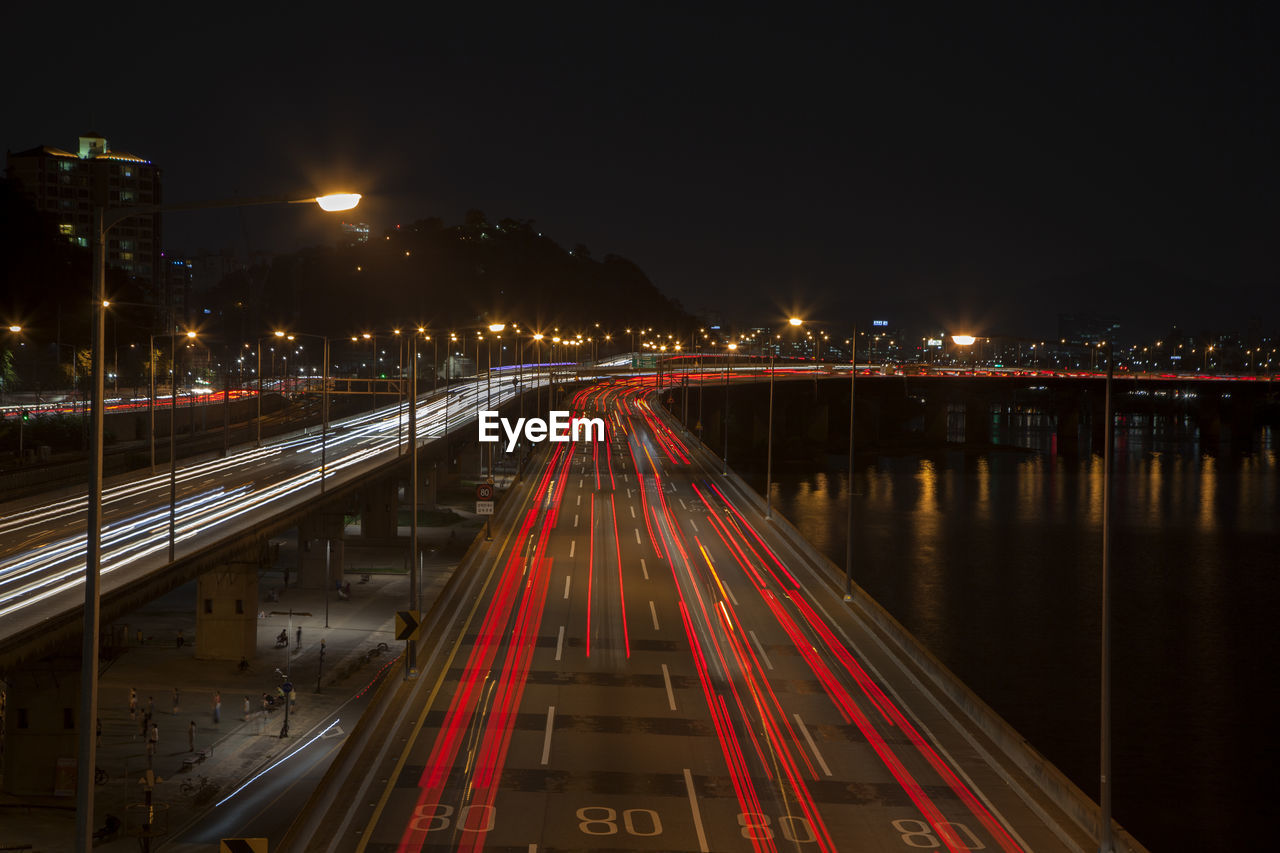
column 992, row 560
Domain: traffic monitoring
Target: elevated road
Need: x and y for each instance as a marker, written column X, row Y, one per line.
column 638, row 661
column 224, row 507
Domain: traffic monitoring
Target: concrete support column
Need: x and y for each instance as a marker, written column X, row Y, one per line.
column 314, row 533
column 1067, row 428
column 977, row 422
column 935, row 420
column 40, row 704
column 378, row 509
column 227, row 612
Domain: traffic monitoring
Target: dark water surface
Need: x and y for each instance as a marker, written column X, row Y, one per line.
column 993, row 560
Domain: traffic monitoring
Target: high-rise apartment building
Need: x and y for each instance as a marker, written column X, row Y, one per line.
column 69, row 186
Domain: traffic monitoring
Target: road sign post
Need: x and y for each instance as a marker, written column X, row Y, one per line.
column 407, row 624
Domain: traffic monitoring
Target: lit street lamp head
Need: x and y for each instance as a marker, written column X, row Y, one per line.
column 338, row 201
column 963, row 340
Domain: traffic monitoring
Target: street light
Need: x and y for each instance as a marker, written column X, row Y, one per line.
column 324, row 396
column 728, row 353
column 104, row 219
column 794, row 322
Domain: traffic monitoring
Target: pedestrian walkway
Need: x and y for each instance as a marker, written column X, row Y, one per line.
column 178, row 689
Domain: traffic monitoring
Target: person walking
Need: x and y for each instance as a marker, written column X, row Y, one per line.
column 181, row 639
column 217, row 706
column 176, row 696
column 299, row 643
column 133, row 703
column 246, row 708
column 153, row 740
column 191, row 737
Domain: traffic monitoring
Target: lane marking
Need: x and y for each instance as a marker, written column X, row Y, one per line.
column 575, row 519
column 697, row 814
column 633, row 512
column 567, row 578
column 760, row 649
column 730, row 592
column 579, row 500
column 666, row 679
column 546, row 739
column 560, row 643
column 644, row 568
column 804, row 730
column 580, row 482
column 573, row 544
column 694, row 525
column 653, row 611
column 682, row 506
column 637, row 535
column 628, row 494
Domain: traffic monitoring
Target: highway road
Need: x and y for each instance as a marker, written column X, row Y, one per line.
column 633, row 665
column 42, row 540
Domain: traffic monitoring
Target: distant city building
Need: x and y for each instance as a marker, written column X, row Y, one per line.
column 69, row 186
column 355, row 232
column 177, row 292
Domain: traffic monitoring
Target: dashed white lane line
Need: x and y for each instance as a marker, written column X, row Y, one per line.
column 579, row 500
column 682, row 506
column 694, row 525
column 560, row 643
column 546, row 739
column 644, row 568
column 633, row 511
column 567, row 578
column 666, row 679
column 804, row 730
column 573, row 544
column 637, row 535
column 653, row 611
column 697, row 813
column 760, row 649
column 730, row 591
column 575, row 519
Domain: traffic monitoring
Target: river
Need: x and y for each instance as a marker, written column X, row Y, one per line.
column 992, row 558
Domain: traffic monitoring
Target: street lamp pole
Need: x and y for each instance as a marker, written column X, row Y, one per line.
column 410, row 660
column 1105, row 843
column 848, row 547
column 725, row 417
column 103, row 220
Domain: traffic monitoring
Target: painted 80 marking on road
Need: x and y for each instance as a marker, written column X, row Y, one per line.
column 647, row 823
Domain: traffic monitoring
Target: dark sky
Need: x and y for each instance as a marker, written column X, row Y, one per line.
column 955, row 169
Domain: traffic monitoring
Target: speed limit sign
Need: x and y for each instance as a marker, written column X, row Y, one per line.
column 484, row 492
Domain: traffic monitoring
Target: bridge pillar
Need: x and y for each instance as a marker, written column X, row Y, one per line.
column 40, row 703
column 379, row 506
column 1067, row 426
column 935, row 420
column 227, row 612
column 319, row 550
column 977, row 422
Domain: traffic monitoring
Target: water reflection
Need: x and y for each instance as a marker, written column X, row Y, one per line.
column 993, row 561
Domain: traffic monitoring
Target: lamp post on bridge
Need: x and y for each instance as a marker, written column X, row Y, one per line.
column 793, row 322
column 104, row 219
column 324, row 395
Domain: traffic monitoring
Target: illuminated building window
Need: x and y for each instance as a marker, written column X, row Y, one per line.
column 66, row 228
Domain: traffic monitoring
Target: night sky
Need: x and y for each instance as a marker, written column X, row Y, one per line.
column 957, row 169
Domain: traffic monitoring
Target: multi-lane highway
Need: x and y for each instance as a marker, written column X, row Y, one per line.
column 637, row 662
column 42, row 540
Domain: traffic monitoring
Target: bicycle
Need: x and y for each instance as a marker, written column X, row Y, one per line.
column 194, row 786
